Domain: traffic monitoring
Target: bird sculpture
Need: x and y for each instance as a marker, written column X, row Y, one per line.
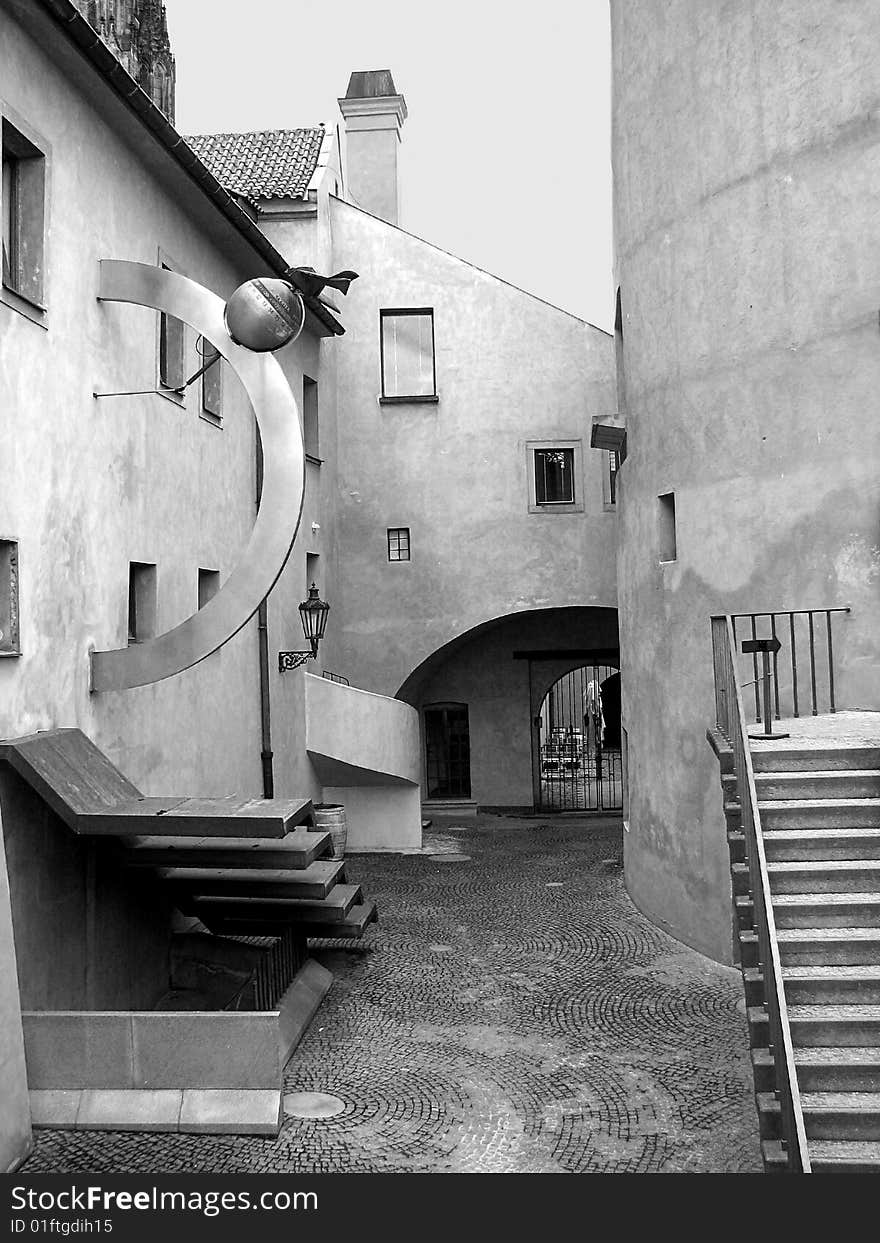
column 311, row 283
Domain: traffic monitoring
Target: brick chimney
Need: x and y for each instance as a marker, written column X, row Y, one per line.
column 374, row 114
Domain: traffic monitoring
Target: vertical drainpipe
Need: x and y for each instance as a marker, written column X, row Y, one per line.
column 263, row 633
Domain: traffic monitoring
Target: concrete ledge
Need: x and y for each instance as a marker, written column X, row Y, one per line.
column 55, row 1109
column 129, row 1111
column 203, row 1112
column 234, row 1113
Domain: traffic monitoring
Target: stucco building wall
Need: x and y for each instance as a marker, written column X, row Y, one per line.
column 88, row 485
column 746, row 167
column 510, row 369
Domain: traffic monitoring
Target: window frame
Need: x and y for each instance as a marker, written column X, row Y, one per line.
column 143, row 597
column 576, row 505
column 31, row 304
column 10, row 597
column 402, row 398
column 178, row 396
column 214, row 375
column 392, row 531
column 311, row 420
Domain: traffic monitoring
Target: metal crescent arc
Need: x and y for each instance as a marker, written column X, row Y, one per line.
column 281, row 503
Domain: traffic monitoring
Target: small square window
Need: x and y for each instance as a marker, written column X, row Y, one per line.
column 9, row 633
column 398, row 544
column 22, row 206
column 212, row 382
column 407, row 349
column 554, row 477
column 141, row 601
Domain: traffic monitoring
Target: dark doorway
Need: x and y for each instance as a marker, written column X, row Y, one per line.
column 448, row 751
column 579, row 731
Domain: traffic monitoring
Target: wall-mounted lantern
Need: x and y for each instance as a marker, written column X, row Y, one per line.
column 313, row 613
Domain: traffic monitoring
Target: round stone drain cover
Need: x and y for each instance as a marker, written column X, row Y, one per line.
column 451, row 858
column 312, row 1105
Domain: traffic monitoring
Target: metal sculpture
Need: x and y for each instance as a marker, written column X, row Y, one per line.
column 281, row 502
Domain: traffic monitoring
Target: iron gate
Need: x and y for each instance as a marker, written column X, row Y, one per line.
column 579, row 733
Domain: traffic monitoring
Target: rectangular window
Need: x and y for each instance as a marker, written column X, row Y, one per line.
column 310, row 418
column 23, row 210
column 313, row 573
column 9, row 633
column 554, row 477
column 398, row 544
column 141, row 601
column 407, row 349
column 212, row 382
column 209, row 585
column 668, row 551
column 172, row 341
column 610, row 467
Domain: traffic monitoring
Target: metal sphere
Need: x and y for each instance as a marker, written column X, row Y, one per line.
column 264, row 314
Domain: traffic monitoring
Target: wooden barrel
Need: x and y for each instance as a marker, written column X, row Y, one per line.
column 330, row 818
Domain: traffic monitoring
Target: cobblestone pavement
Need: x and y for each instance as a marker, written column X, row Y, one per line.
column 511, row 1012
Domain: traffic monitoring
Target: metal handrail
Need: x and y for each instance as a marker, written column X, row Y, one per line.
column 731, row 721
column 787, row 634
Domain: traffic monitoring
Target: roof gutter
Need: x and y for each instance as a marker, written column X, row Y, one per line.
column 78, row 30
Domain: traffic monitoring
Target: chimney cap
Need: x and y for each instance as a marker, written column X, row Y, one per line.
column 370, row 84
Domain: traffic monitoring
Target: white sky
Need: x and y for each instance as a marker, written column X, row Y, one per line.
column 506, row 151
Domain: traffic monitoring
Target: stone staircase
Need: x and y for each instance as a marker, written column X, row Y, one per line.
column 820, row 814
column 243, row 867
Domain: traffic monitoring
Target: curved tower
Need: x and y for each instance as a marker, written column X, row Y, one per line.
column 746, row 142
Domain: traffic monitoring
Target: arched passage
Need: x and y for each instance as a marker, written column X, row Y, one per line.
column 496, row 676
column 577, row 763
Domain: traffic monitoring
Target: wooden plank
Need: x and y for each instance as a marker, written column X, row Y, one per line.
column 68, row 771
column 295, row 850
column 351, row 928
column 331, row 909
column 184, row 818
column 314, row 882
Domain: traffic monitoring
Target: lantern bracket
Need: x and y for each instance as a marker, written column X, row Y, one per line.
column 293, row 660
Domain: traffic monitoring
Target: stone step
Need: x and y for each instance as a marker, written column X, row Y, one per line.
column 820, row 813
column 855, row 1025
column 827, row 946
column 313, row 882
column 836, row 985
column 821, row 784
column 776, row 758
column 819, row 985
column 276, row 911
column 804, row 844
column 298, row 849
column 834, row 1068
column 824, row 876
column 851, row 1117
column 826, row 910
column 359, row 917
column 845, row 1156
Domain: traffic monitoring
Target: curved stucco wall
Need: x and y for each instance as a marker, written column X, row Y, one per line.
column 747, row 169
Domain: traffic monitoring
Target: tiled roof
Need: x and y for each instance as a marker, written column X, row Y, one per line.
column 270, row 164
